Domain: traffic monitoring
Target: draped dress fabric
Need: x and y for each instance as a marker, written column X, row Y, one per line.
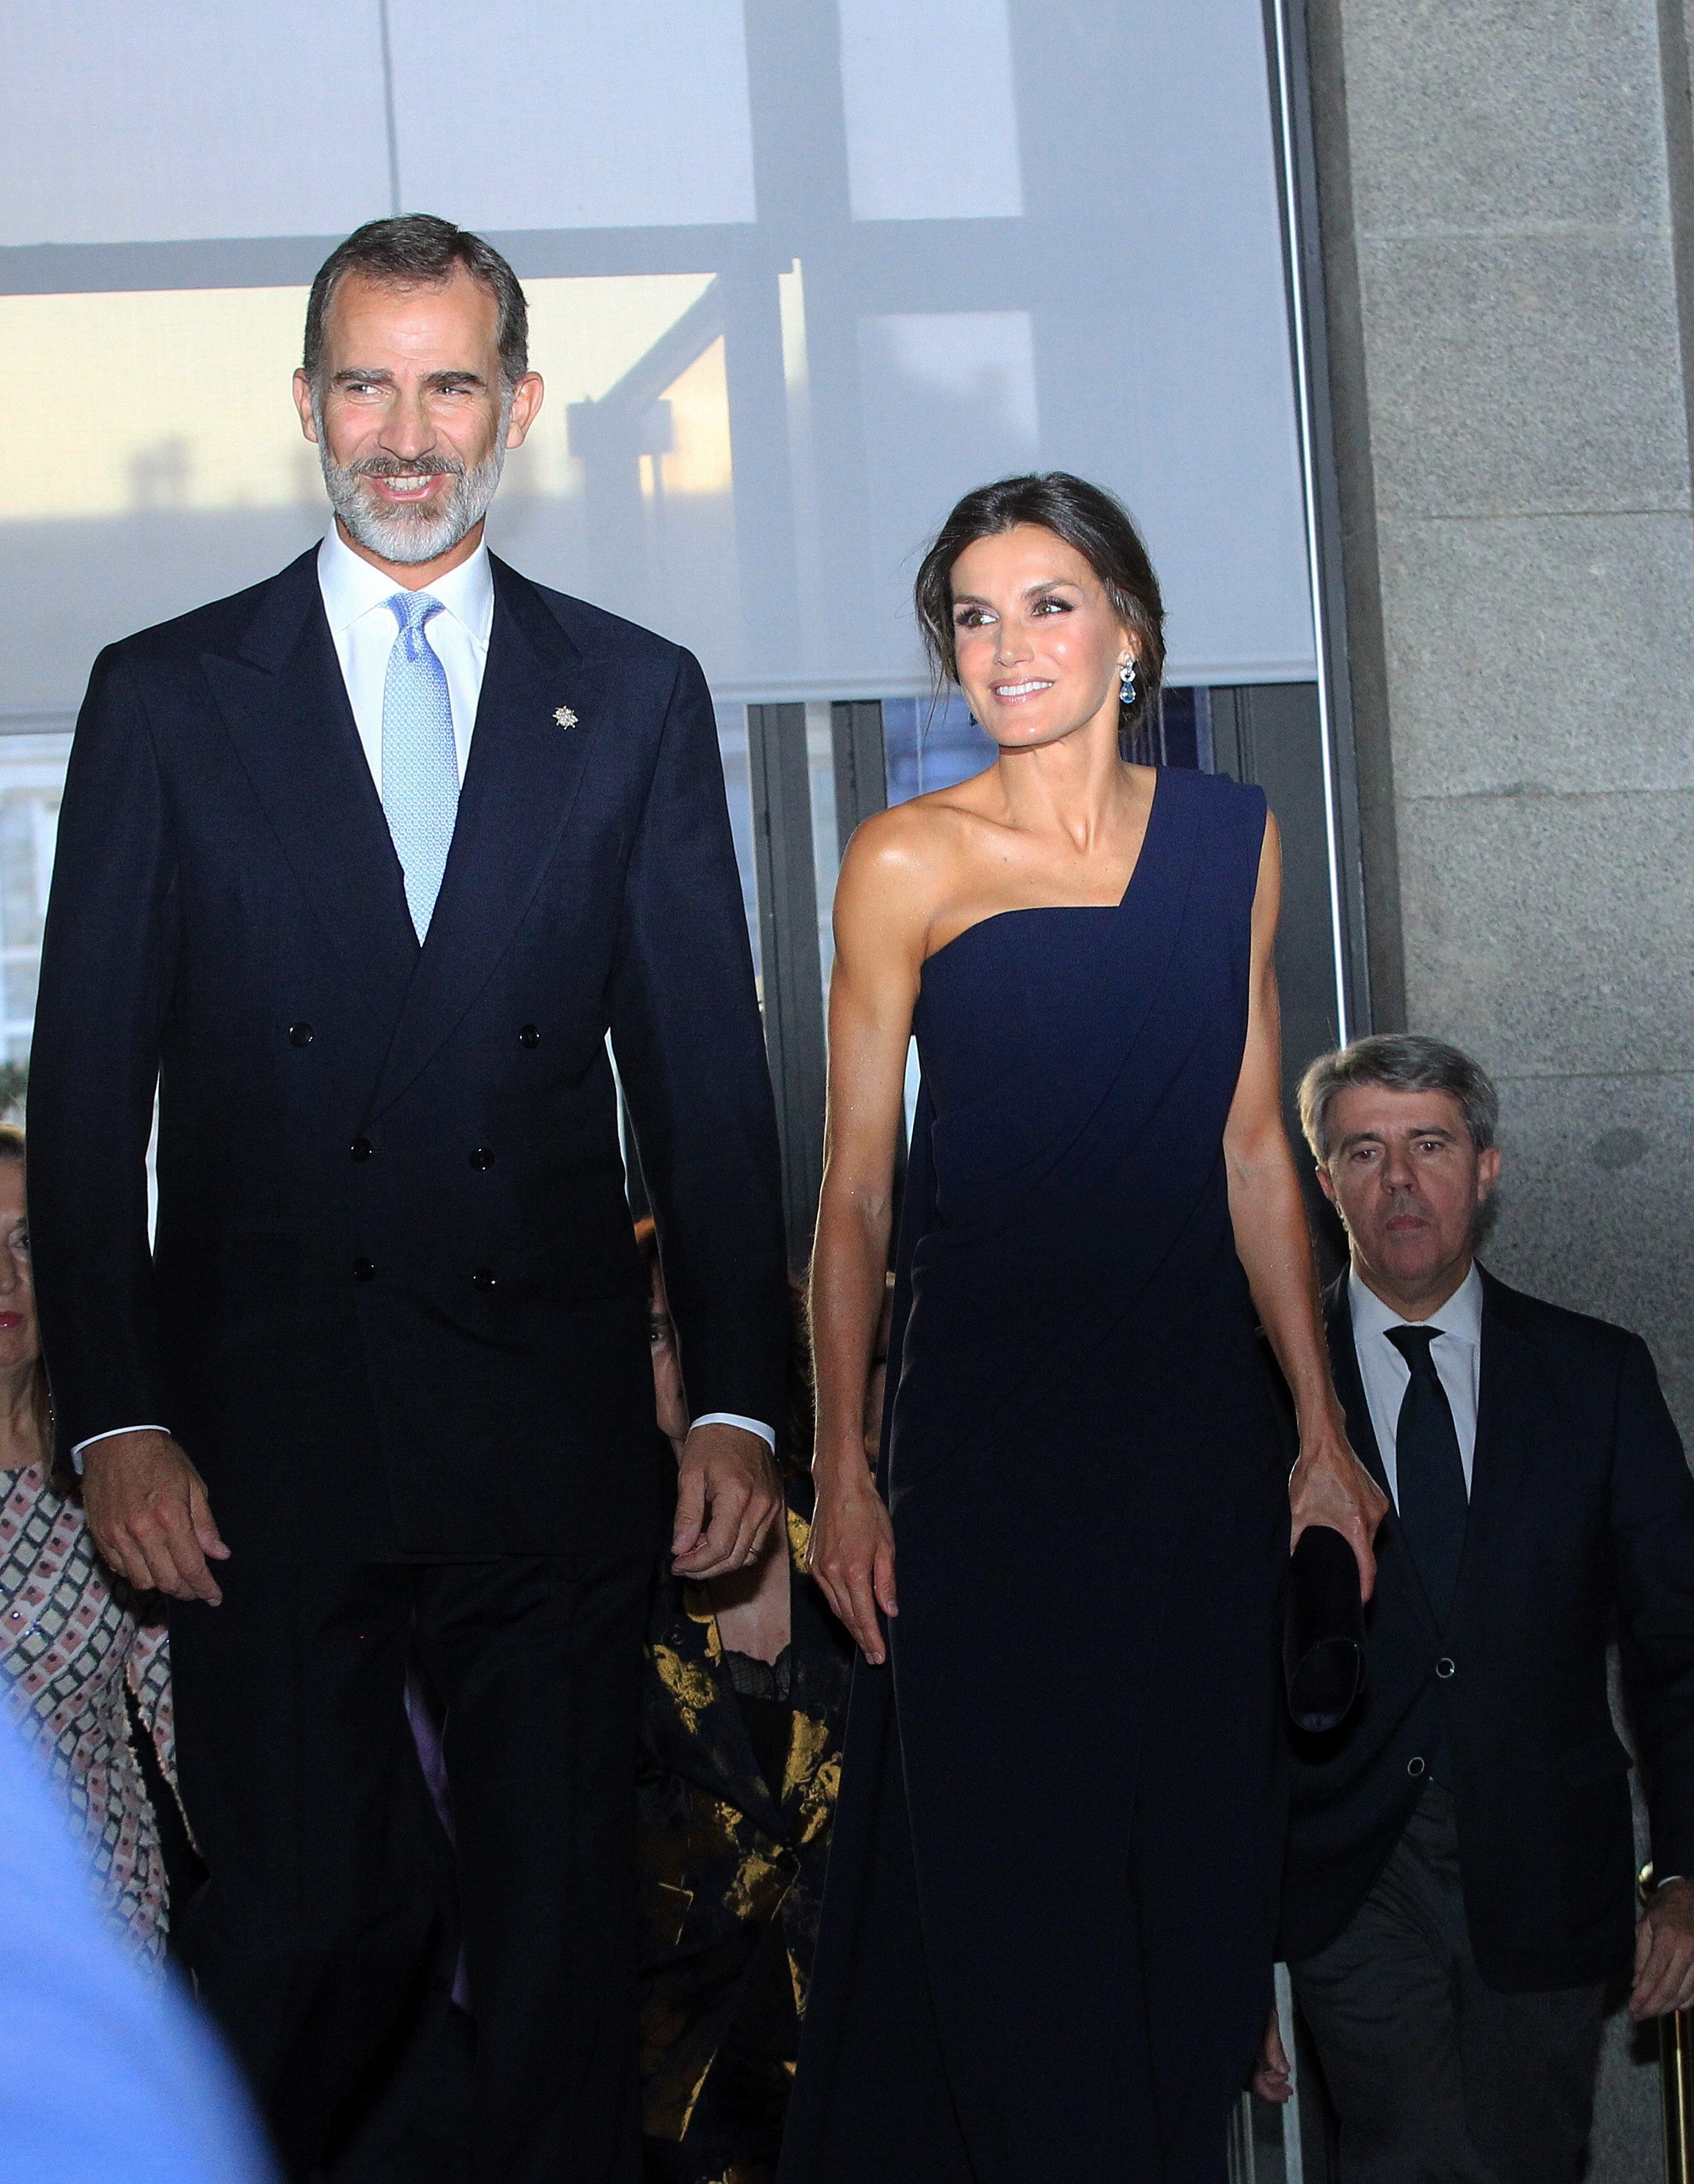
column 1047, row 1930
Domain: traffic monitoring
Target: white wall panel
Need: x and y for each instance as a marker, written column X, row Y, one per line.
column 128, row 124
column 931, row 121
column 575, row 113
column 1001, row 234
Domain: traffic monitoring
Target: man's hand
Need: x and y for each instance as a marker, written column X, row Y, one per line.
column 727, row 1495
column 147, row 1507
column 1272, row 2079
column 852, row 1556
column 1328, row 1485
column 1664, row 1952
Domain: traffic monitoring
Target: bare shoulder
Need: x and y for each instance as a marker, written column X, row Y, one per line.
column 910, row 854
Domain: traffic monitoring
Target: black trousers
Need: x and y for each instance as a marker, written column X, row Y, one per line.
column 1437, row 2078
column 326, row 1937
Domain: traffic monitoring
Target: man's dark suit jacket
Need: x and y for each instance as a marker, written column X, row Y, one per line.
column 1581, row 1515
column 394, row 1302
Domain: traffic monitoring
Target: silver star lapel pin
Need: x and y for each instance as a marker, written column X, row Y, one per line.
column 566, row 717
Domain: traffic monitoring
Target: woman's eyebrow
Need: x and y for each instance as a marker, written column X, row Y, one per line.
column 1029, row 591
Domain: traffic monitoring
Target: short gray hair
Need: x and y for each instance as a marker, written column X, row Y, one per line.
column 415, row 249
column 1400, row 1061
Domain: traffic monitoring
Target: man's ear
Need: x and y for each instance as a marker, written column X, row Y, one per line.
column 1487, row 1173
column 302, row 403
column 1326, row 1186
column 526, row 401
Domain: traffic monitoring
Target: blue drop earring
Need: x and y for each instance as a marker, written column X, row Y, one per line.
column 1127, row 691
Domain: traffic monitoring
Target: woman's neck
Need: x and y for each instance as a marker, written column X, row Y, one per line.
column 1078, row 788
column 19, row 1428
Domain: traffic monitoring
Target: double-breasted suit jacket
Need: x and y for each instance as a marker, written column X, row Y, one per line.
column 1581, row 1521
column 394, row 1291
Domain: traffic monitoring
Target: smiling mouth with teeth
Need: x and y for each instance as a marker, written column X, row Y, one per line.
column 1005, row 690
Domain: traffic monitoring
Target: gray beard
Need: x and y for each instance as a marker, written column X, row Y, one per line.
column 408, row 536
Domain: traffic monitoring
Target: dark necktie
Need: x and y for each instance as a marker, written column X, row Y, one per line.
column 1429, row 1480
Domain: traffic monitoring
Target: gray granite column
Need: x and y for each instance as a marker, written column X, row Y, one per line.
column 1508, row 194
column 1510, row 344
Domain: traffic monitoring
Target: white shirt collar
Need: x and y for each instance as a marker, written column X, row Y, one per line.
column 1460, row 1317
column 351, row 586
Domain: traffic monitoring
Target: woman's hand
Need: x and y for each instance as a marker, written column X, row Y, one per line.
column 852, row 1556
column 1328, row 1485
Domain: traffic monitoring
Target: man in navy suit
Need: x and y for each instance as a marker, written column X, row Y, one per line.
column 1459, row 1890
column 357, row 870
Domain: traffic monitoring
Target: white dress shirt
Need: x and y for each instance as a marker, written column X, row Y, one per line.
column 356, row 595
column 1456, row 1353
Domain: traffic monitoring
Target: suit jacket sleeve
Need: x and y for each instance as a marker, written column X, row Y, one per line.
column 690, row 1052
column 107, row 966
column 1653, row 1534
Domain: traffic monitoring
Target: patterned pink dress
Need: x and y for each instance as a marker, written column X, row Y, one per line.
column 70, row 1646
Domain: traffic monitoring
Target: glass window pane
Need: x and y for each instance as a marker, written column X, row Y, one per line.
column 826, row 849
column 31, row 784
column 931, row 744
column 738, row 782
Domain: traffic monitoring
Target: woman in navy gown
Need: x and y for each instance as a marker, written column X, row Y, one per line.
column 1046, row 1940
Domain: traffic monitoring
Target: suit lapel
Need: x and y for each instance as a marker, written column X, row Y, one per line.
column 1343, row 1365
column 525, row 770
column 284, row 704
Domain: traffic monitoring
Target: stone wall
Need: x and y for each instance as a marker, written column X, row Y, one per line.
column 1507, row 190
column 1507, row 198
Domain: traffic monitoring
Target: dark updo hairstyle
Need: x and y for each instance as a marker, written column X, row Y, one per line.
column 1085, row 516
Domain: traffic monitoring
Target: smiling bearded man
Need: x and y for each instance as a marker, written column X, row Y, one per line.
column 358, row 869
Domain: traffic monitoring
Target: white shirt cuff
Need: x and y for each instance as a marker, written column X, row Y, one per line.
column 747, row 1425
column 111, row 1434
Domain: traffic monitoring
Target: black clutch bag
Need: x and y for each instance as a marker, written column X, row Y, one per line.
column 1324, row 1633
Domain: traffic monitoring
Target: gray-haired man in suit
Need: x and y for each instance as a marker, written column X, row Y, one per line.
column 1459, row 1890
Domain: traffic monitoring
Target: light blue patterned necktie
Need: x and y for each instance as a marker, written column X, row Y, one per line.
column 420, row 764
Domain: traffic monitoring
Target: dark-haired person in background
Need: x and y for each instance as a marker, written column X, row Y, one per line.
column 1460, row 1881
column 359, row 867
column 744, row 1697
column 1046, row 1940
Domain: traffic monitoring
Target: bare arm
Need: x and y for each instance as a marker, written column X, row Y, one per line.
column 879, row 928
column 1328, row 1485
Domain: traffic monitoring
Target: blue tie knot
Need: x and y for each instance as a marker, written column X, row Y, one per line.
column 412, row 609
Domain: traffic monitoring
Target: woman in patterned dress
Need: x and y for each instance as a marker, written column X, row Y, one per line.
column 83, row 1659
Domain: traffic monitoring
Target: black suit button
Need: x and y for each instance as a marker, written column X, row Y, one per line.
column 484, row 1277
column 365, row 1270
column 362, row 1149
column 530, row 1035
column 300, row 1035
column 1415, row 1767
column 1444, row 1668
column 482, row 1157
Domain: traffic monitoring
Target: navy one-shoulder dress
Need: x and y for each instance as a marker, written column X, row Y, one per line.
column 1047, row 1929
